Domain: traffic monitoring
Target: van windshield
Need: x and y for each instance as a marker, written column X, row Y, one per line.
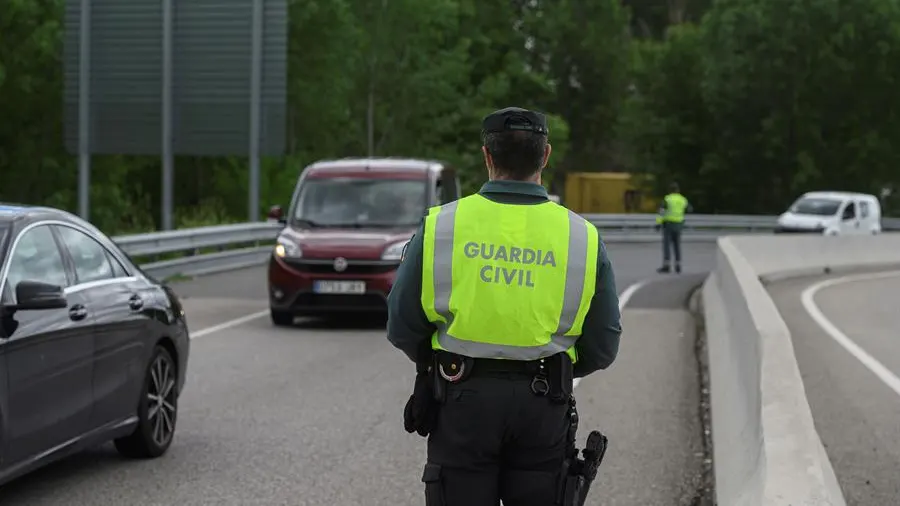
column 355, row 202
column 816, row 206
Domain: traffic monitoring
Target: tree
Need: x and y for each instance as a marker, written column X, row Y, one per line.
column 746, row 106
column 582, row 47
column 802, row 96
column 666, row 123
column 651, row 18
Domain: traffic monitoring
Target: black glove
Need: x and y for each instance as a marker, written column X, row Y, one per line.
column 657, row 227
column 420, row 413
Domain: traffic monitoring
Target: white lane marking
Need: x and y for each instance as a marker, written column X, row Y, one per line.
column 629, row 293
column 872, row 364
column 227, row 325
column 623, row 301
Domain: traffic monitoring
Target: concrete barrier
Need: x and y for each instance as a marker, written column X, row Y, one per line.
column 766, row 448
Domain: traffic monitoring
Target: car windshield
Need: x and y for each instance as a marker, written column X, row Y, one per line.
column 816, row 206
column 361, row 202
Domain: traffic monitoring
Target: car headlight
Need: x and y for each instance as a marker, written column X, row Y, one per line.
column 394, row 251
column 286, row 248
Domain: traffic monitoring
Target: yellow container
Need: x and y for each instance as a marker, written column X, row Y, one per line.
column 606, row 192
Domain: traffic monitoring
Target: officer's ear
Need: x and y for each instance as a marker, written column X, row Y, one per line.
column 488, row 160
column 547, row 151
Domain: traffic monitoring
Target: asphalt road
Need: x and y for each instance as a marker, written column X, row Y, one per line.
column 312, row 415
column 856, row 412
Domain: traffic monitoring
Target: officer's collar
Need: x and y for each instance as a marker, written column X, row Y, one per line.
column 517, row 187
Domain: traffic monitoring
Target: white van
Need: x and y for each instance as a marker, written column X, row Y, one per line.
column 832, row 213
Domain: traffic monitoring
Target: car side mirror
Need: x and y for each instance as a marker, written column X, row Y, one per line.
column 276, row 213
column 847, row 216
column 34, row 296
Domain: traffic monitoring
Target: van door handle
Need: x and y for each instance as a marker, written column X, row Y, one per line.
column 136, row 302
column 77, row 312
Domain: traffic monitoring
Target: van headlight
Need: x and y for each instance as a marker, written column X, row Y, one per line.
column 394, row 251
column 286, row 248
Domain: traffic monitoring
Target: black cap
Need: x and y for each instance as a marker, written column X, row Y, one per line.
column 515, row 118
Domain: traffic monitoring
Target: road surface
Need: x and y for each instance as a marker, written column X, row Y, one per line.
column 848, row 348
column 312, row 415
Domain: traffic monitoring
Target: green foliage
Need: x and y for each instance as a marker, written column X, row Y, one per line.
column 746, row 103
column 666, row 121
column 387, row 78
column 765, row 99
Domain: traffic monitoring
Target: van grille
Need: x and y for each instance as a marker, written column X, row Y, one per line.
column 357, row 267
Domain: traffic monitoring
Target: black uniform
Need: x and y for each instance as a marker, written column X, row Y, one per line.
column 494, row 438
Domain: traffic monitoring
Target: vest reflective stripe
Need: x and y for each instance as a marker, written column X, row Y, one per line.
column 576, row 289
column 675, row 207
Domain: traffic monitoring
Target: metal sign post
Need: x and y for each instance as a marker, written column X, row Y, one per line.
column 168, row 159
column 84, row 111
column 256, row 39
column 166, row 78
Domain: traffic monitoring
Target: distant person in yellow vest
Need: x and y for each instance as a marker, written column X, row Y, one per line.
column 501, row 299
column 671, row 219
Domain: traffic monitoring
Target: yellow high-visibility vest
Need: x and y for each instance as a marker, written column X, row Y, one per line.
column 676, row 205
column 507, row 281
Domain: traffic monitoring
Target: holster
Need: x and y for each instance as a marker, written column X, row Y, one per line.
column 578, row 474
column 421, row 410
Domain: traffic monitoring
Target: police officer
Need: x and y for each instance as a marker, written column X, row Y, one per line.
column 508, row 296
column 671, row 219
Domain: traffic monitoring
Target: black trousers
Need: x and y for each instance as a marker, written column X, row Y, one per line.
column 495, row 440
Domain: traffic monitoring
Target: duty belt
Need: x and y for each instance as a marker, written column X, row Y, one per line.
column 549, row 376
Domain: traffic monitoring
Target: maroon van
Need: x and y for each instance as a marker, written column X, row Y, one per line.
column 345, row 230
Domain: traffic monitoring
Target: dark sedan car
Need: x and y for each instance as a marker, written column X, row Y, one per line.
column 91, row 349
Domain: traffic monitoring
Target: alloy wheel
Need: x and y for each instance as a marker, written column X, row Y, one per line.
column 161, row 409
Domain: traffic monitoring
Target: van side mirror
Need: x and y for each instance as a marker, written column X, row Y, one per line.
column 848, row 214
column 276, row 213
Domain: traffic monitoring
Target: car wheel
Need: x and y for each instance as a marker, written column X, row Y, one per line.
column 282, row 318
column 157, row 410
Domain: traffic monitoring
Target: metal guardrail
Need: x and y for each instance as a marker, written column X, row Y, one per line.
column 693, row 222
column 156, row 243
column 206, row 250
column 233, row 247
column 705, row 222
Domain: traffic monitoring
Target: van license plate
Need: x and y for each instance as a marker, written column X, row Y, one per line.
column 342, row 287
